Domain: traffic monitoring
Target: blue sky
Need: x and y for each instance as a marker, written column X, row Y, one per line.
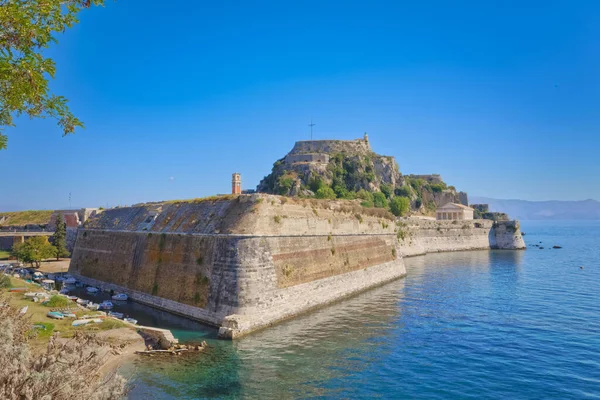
column 501, row 98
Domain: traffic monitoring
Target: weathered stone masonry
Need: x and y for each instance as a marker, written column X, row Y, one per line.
column 248, row 262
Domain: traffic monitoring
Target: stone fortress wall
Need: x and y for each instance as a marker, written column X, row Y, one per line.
column 246, row 262
column 307, row 158
column 357, row 146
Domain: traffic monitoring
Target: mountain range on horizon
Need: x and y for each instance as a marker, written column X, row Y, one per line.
column 543, row 210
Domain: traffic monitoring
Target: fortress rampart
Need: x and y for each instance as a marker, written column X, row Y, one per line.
column 357, row 146
column 246, row 262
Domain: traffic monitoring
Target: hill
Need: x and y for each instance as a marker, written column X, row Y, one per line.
column 349, row 169
column 544, row 210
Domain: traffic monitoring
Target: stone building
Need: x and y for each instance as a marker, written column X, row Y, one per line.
column 236, row 183
column 454, row 211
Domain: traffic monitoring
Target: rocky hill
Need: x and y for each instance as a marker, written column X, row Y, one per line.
column 349, row 169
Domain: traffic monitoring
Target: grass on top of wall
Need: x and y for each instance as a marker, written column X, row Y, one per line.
column 37, row 217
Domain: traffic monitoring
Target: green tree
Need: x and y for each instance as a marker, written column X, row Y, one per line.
column 379, row 200
column 400, row 206
column 315, row 183
column 387, row 190
column 364, row 195
column 27, row 28
column 59, row 240
column 325, row 193
column 34, row 250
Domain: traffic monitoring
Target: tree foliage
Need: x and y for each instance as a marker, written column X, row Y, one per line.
column 379, row 200
column 65, row 370
column 399, row 206
column 59, row 239
column 325, row 193
column 34, row 250
column 27, row 29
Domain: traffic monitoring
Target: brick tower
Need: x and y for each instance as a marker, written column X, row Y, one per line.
column 236, row 183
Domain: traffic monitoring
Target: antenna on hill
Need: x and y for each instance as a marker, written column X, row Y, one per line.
column 69, row 200
column 311, row 129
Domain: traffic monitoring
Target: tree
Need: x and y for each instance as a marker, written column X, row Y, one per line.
column 379, row 200
column 59, row 240
column 399, row 206
column 325, row 193
column 34, row 250
column 387, row 190
column 27, row 28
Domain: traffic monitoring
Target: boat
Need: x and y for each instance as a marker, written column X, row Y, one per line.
column 73, row 298
column 106, row 305
column 83, row 302
column 115, row 314
column 130, row 320
column 120, row 297
column 17, row 289
column 69, row 315
column 91, row 289
column 24, row 310
column 37, row 276
column 85, row 321
column 55, row 315
column 34, row 294
column 70, row 281
column 93, row 306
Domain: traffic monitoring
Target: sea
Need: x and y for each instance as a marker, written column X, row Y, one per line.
column 463, row 325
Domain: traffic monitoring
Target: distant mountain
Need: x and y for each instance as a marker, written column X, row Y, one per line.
column 552, row 209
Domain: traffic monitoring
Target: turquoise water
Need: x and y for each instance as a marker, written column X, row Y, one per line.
column 466, row 325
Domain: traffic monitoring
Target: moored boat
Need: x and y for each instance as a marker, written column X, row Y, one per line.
column 130, row 320
column 73, row 298
column 93, row 306
column 91, row 289
column 83, row 302
column 106, row 305
column 120, row 297
column 115, row 314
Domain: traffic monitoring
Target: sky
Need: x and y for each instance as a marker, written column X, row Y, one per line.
column 499, row 97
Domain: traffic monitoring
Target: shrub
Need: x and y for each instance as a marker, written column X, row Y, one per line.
column 387, row 190
column 364, row 195
column 325, row 193
column 315, row 183
column 437, row 187
column 367, row 204
column 399, row 206
column 403, row 191
column 5, row 281
column 58, row 301
column 284, row 184
column 277, row 219
column 379, row 200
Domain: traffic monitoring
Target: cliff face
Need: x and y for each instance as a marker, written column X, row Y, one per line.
column 349, row 167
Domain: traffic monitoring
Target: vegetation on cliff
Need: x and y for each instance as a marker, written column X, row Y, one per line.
column 373, row 179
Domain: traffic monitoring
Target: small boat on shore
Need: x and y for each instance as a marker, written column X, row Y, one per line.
column 81, row 322
column 82, row 302
column 115, row 314
column 130, row 320
column 73, row 298
column 24, row 310
column 55, row 315
column 91, row 289
column 106, row 305
column 93, row 306
column 120, row 297
column 17, row 289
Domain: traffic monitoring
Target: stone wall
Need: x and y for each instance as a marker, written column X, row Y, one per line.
column 307, row 158
column 418, row 236
column 246, row 262
column 358, row 146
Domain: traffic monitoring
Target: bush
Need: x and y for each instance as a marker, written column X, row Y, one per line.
column 315, row 183
column 364, row 195
column 325, row 193
column 387, row 190
column 5, row 282
column 284, row 185
column 403, row 191
column 399, row 206
column 379, row 200
column 58, row 301
column 367, row 204
column 437, row 187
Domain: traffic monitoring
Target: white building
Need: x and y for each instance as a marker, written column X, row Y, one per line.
column 453, row 211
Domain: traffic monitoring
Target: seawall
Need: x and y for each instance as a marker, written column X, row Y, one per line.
column 244, row 263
